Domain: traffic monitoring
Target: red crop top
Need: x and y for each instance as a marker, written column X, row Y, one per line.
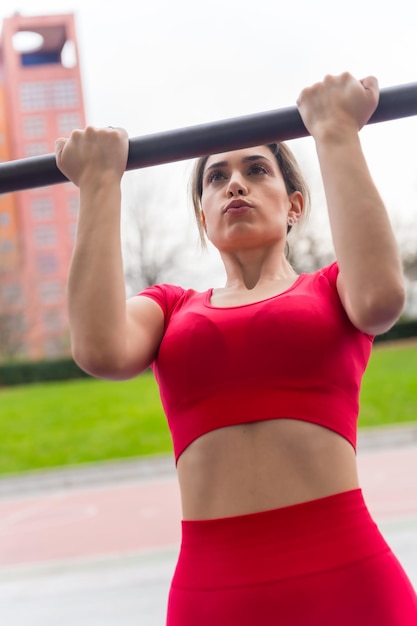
column 295, row 355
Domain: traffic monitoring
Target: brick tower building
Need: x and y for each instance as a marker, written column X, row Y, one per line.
column 40, row 100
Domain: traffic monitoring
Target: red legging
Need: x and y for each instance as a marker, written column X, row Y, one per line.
column 319, row 563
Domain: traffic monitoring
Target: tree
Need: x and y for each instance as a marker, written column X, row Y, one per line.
column 312, row 248
column 408, row 249
column 12, row 320
column 26, row 329
column 309, row 252
column 155, row 232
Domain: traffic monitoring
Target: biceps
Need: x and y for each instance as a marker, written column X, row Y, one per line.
column 145, row 329
column 344, row 299
column 368, row 316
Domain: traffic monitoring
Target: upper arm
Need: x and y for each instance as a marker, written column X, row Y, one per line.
column 144, row 333
column 372, row 316
column 130, row 349
column 344, row 298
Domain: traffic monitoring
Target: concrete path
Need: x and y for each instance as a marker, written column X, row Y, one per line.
column 97, row 545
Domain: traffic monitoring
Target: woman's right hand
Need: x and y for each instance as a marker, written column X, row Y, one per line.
column 93, row 155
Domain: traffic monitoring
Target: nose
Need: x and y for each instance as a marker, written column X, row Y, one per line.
column 236, row 186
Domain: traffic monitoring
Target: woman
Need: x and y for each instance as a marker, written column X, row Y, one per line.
column 259, row 379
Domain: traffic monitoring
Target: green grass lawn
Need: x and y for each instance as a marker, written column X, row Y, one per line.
column 65, row 423
column 56, row 424
column 389, row 389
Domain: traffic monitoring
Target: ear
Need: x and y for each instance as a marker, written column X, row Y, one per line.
column 203, row 221
column 296, row 206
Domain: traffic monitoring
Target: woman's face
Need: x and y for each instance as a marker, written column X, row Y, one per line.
column 244, row 200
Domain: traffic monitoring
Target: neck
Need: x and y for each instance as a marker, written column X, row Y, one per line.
column 254, row 268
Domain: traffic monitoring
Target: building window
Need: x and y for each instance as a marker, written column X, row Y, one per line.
column 47, row 264
column 11, row 294
column 50, row 291
column 42, row 208
column 72, row 231
column 6, row 246
column 64, row 94
column 67, row 122
column 43, row 95
column 52, row 320
column 19, row 322
column 34, row 126
column 35, row 149
column 45, row 236
column 4, row 219
column 53, row 347
column 33, row 96
column 73, row 204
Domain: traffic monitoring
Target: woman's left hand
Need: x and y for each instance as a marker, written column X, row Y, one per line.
column 338, row 104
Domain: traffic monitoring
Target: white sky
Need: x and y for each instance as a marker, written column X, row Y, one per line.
column 188, row 62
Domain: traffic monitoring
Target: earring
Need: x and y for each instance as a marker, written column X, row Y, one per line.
column 290, row 221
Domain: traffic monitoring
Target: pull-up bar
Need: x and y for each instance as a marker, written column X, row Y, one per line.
column 194, row 141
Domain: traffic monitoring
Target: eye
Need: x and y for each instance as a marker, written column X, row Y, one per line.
column 215, row 176
column 257, row 168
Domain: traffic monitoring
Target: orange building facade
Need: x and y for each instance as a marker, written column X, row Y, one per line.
column 40, row 100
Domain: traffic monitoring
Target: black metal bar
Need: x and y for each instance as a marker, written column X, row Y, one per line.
column 194, row 141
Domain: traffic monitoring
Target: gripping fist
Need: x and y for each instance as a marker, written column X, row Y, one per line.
column 93, row 154
column 338, row 103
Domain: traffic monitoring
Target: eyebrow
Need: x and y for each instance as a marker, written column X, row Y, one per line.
column 247, row 159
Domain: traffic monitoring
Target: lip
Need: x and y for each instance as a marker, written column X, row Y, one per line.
column 237, row 205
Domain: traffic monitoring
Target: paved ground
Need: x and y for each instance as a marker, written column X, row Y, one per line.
column 97, row 545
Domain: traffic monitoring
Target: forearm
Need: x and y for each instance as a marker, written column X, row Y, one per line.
column 364, row 243
column 96, row 288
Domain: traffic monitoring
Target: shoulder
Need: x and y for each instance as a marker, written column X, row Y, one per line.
column 323, row 277
column 331, row 276
column 165, row 295
column 329, row 272
column 162, row 292
column 169, row 297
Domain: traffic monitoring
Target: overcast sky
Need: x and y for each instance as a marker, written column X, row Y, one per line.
column 165, row 64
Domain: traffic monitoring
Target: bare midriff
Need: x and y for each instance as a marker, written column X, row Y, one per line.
column 260, row 466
